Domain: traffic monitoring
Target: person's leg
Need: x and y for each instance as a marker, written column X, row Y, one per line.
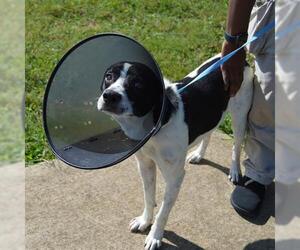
column 260, row 164
column 260, row 143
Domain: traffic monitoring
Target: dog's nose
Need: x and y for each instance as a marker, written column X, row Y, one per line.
column 111, row 96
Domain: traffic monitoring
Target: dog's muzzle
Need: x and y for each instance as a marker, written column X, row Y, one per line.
column 111, row 97
column 111, row 102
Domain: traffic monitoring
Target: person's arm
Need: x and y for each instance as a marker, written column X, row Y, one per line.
column 237, row 23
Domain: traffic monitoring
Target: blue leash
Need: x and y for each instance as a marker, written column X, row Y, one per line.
column 217, row 64
column 257, row 35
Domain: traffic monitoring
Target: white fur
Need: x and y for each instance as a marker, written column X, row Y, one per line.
column 239, row 107
column 167, row 150
column 126, row 120
column 118, row 86
column 135, row 127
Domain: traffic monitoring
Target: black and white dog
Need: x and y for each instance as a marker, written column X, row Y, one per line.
column 132, row 95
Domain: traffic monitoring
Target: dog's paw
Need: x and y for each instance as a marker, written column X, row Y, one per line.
column 153, row 240
column 234, row 175
column 194, row 158
column 138, row 224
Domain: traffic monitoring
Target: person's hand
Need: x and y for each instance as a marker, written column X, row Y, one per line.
column 233, row 69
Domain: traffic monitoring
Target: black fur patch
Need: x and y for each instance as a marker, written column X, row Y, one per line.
column 143, row 89
column 204, row 101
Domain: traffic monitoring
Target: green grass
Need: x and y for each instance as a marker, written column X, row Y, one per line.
column 180, row 35
column 226, row 125
column 11, row 81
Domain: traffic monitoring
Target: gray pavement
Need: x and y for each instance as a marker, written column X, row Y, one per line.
column 12, row 206
column 68, row 208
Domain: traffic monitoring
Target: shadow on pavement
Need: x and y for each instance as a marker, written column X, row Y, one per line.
column 265, row 244
column 268, row 206
column 178, row 241
column 214, row 165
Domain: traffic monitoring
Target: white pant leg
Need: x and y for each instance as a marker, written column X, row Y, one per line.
column 260, row 145
column 287, row 94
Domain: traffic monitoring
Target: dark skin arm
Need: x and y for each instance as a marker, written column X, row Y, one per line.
column 237, row 22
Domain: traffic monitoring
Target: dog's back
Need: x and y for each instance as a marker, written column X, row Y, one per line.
column 205, row 101
column 206, row 98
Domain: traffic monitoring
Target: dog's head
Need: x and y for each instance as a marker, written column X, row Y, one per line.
column 129, row 89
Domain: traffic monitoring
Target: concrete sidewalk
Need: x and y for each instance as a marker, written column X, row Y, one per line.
column 68, row 208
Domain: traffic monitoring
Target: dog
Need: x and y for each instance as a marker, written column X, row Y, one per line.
column 132, row 95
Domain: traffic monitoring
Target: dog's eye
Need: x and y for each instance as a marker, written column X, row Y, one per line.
column 108, row 77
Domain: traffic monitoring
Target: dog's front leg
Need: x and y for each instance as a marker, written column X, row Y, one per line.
column 173, row 176
column 147, row 171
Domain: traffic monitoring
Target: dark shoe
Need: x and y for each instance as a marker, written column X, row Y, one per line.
column 247, row 197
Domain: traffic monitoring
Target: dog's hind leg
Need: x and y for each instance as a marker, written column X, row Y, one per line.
column 239, row 127
column 173, row 174
column 147, row 171
column 239, row 107
column 198, row 154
